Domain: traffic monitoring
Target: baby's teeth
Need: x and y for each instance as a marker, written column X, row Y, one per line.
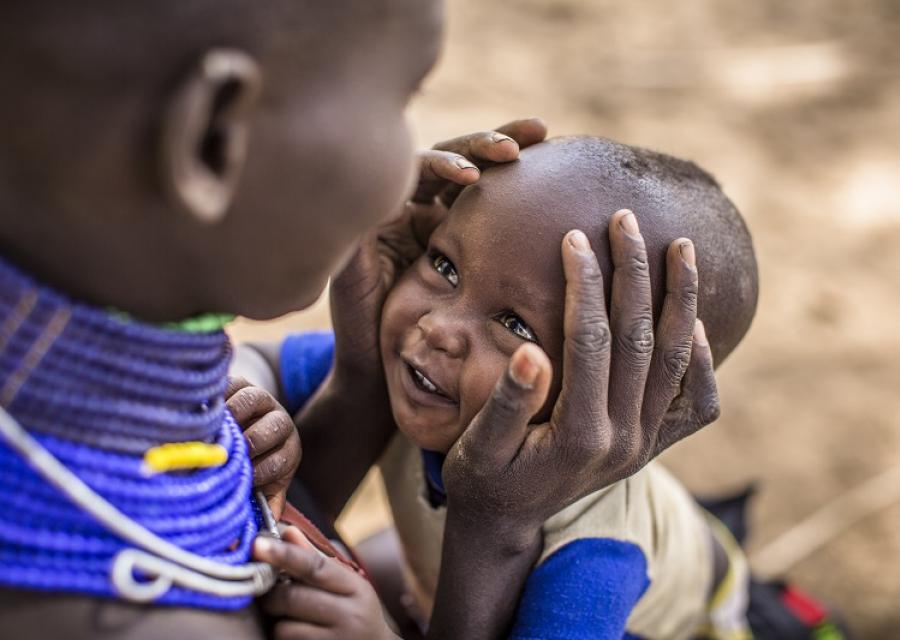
column 428, row 384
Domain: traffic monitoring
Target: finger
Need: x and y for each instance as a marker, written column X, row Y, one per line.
column 499, row 429
column 248, row 403
column 525, row 132
column 276, row 501
column 491, row 147
column 674, row 335
column 269, row 432
column 437, row 168
column 305, row 564
column 631, row 320
column 580, row 414
column 274, row 466
column 303, row 603
column 235, row 384
column 698, row 403
column 500, row 145
column 483, row 148
column 293, row 630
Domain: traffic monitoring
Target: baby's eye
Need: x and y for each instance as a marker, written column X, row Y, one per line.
column 515, row 324
column 444, row 267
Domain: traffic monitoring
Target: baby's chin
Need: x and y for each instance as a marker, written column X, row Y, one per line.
column 428, row 436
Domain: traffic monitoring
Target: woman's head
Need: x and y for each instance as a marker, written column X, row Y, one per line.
column 183, row 156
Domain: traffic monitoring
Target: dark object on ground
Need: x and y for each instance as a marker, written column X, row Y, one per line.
column 778, row 611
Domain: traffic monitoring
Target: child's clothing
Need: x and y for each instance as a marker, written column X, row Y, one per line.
column 632, row 560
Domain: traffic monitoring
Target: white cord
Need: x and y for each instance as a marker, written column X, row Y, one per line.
column 175, row 565
column 806, row 537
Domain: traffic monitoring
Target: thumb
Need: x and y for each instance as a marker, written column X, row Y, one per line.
column 276, row 502
column 502, row 424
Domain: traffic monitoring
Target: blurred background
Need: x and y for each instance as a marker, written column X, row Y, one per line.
column 795, row 107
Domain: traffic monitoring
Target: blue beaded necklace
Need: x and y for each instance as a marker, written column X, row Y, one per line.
column 84, row 394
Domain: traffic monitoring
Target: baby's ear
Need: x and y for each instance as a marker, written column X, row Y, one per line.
column 203, row 140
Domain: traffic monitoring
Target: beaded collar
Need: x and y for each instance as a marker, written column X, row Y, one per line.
column 97, row 391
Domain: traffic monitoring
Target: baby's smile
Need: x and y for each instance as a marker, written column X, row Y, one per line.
column 423, row 383
column 458, row 314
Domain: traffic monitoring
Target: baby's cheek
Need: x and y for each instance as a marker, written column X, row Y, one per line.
column 479, row 377
column 402, row 308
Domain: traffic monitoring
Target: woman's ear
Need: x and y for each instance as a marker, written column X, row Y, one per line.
column 205, row 132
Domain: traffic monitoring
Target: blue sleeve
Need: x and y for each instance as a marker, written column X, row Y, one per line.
column 585, row 590
column 305, row 360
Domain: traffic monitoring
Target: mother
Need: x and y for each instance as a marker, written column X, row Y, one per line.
column 183, row 156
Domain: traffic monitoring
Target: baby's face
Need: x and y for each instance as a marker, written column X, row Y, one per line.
column 490, row 280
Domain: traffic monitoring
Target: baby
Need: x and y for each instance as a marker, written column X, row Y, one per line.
column 639, row 558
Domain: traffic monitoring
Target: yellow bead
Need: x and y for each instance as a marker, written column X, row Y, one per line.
column 184, row 455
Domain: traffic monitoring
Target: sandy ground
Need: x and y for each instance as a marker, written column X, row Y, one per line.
column 796, row 108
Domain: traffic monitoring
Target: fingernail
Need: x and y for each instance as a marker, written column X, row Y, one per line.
column 579, row 241
column 263, row 545
column 700, row 333
column 687, row 253
column 523, row 370
column 464, row 164
column 629, row 224
column 499, row 137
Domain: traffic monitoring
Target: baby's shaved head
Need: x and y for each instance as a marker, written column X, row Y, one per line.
column 579, row 182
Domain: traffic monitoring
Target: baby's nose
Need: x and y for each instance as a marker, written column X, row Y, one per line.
column 443, row 333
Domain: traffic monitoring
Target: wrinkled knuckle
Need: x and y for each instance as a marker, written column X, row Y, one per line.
column 593, row 338
column 284, row 425
column 235, row 384
column 247, row 399
column 637, row 263
column 272, row 467
column 637, row 340
column 591, row 277
column 676, row 361
column 687, row 295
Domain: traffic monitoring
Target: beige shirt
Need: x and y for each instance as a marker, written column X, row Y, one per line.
column 650, row 509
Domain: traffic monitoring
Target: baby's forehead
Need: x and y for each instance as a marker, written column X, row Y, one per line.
column 510, row 234
column 533, row 205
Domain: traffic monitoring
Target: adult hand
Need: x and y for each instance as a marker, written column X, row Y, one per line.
column 358, row 293
column 272, row 439
column 626, row 395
